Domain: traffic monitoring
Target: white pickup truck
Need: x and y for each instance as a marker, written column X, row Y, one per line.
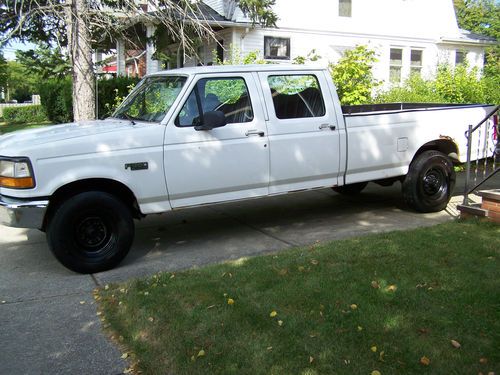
column 204, row 135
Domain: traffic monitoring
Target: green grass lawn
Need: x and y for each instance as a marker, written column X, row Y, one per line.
column 7, row 128
column 386, row 302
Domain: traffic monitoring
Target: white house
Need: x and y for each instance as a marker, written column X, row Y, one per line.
column 408, row 35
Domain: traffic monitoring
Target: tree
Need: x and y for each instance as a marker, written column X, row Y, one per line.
column 78, row 24
column 479, row 16
column 482, row 17
column 353, row 75
column 3, row 72
column 45, row 62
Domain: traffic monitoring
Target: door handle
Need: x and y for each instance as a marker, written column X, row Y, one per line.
column 327, row 126
column 260, row 133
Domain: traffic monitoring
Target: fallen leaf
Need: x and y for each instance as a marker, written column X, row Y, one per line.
column 425, row 361
column 172, row 276
column 201, row 353
column 301, row 268
column 455, row 344
column 146, row 293
column 392, row 288
column 82, row 302
column 230, row 301
column 210, row 307
column 280, row 322
column 483, row 360
column 311, row 359
column 360, row 328
column 127, row 370
column 375, row 285
column 273, row 314
column 193, row 358
column 354, row 306
column 106, row 287
column 99, row 313
column 269, row 348
column 124, row 355
column 314, row 262
column 376, row 372
column 151, row 319
column 381, row 356
column 373, row 349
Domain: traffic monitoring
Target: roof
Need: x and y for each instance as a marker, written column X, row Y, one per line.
column 468, row 37
column 239, row 69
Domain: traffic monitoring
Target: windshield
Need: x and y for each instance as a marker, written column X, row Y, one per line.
column 151, row 99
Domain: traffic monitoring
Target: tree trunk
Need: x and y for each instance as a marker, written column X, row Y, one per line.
column 80, row 55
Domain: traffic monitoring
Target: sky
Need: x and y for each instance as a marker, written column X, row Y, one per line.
column 9, row 50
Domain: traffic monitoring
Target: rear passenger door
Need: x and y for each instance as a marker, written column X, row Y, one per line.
column 224, row 163
column 302, row 128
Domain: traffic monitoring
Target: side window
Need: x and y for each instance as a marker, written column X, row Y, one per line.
column 296, row 96
column 228, row 95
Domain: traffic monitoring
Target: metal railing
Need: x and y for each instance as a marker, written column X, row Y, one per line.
column 487, row 158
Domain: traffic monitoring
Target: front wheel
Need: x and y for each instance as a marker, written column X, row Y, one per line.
column 91, row 232
column 429, row 183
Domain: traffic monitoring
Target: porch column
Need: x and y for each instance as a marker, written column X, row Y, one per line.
column 152, row 66
column 120, row 57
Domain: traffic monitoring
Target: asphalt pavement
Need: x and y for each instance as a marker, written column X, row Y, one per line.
column 48, row 322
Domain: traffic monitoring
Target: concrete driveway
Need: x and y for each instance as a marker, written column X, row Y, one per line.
column 48, row 321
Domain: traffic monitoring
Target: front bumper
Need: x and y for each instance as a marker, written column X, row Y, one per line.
column 22, row 213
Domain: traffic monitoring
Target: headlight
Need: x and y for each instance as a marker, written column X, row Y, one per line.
column 15, row 173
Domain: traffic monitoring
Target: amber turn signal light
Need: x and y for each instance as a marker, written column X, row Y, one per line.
column 17, row 183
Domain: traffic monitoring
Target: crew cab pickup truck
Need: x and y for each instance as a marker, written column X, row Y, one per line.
column 197, row 136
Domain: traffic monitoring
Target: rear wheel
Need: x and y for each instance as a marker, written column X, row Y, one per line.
column 429, row 183
column 351, row 189
column 91, row 232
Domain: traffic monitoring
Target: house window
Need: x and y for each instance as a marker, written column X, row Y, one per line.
column 296, row 96
column 345, row 8
column 395, row 65
column 416, row 61
column 460, row 57
column 276, row 48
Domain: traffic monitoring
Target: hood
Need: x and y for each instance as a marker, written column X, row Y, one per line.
column 55, row 133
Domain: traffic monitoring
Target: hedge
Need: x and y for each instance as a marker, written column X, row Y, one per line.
column 24, row 114
column 56, row 97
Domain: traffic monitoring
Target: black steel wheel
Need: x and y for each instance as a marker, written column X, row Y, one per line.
column 91, row 232
column 429, row 183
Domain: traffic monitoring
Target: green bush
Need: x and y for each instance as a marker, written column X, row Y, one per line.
column 56, row 98
column 111, row 93
column 460, row 85
column 24, row 114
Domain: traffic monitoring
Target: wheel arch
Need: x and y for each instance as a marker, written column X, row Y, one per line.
column 113, row 187
column 446, row 145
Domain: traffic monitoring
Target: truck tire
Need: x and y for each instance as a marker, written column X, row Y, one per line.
column 91, row 232
column 429, row 183
column 351, row 189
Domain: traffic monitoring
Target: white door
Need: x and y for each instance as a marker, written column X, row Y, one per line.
column 303, row 131
column 224, row 163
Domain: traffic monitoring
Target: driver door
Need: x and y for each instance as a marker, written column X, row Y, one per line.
column 224, row 163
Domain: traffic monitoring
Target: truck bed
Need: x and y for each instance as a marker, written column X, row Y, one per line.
column 374, row 109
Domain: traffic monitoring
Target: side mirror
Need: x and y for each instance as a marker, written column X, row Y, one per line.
column 212, row 119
